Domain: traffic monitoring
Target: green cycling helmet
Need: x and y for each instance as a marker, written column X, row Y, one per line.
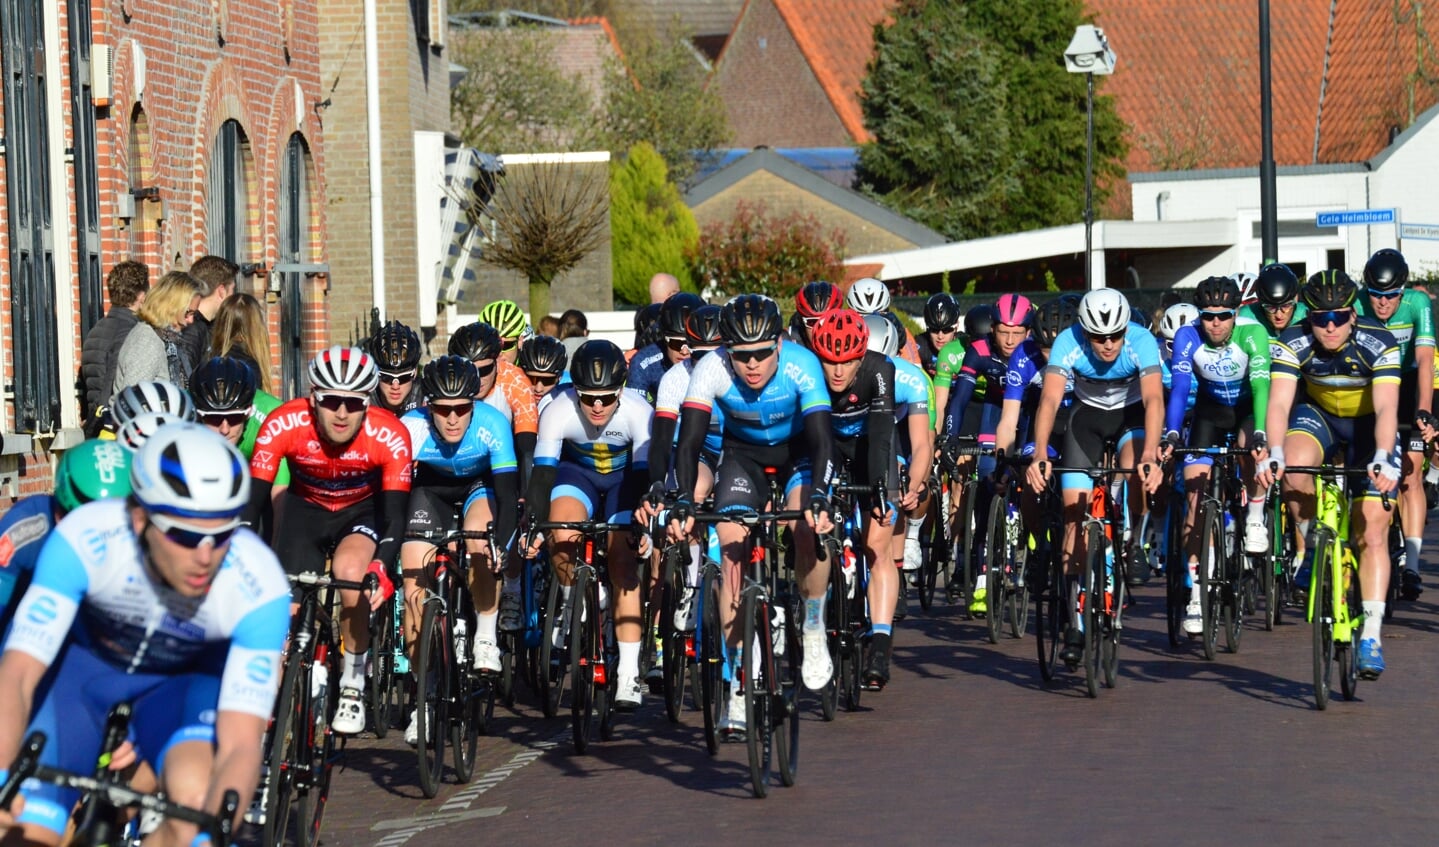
column 92, row 470
column 507, row 318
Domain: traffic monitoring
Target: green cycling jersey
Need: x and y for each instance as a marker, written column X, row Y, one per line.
column 264, row 405
column 1412, row 324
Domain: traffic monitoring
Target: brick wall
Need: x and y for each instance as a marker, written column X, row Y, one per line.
column 769, row 91
column 205, row 62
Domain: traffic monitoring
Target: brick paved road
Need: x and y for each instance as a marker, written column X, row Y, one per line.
column 967, row 744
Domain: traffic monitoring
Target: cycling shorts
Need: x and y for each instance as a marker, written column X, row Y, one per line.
column 72, row 706
column 1213, row 423
column 1088, row 429
column 437, row 509
column 1408, row 408
column 1355, row 435
column 599, row 493
column 306, row 534
column 740, row 482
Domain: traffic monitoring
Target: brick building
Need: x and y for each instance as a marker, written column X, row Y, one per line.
column 155, row 130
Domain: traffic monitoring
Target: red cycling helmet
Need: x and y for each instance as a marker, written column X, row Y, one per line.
column 817, row 298
column 840, row 336
column 1014, row 310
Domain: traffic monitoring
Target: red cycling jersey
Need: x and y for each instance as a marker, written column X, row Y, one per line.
column 329, row 475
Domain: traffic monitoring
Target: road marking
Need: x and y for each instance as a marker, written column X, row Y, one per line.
column 457, row 808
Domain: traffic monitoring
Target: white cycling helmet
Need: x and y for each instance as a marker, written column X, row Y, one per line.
column 882, row 337
column 1177, row 316
column 867, row 296
column 344, row 369
column 137, row 430
column 188, row 471
column 1103, row 311
column 152, row 396
column 1245, row 282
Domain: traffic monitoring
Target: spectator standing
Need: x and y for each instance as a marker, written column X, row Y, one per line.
column 216, row 276
column 152, row 349
column 239, row 331
column 663, row 286
column 574, row 331
column 127, row 284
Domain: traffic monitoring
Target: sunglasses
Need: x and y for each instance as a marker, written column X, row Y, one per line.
column 335, row 402
column 191, row 537
column 1386, row 295
column 1108, row 337
column 812, row 321
column 677, row 344
column 484, row 370
column 745, row 357
column 230, row 419
column 1337, row 317
column 944, row 330
column 1217, row 316
column 404, row 378
column 509, row 344
column 608, row 398
column 1281, row 307
column 452, row 410
column 545, row 380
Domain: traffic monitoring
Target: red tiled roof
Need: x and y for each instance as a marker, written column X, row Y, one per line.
column 837, row 38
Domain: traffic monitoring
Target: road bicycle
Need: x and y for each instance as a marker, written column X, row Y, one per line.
column 1226, row 585
column 967, row 522
column 1007, row 554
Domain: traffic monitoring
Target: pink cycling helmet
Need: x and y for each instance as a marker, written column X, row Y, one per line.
column 1015, row 310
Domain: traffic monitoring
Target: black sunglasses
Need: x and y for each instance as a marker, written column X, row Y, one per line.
column 546, row 380
column 1109, row 336
column 454, row 410
column 484, row 370
column 608, row 398
column 1335, row 317
column 677, row 344
column 336, row 402
column 747, row 356
column 231, row 419
column 1217, row 316
column 404, row 378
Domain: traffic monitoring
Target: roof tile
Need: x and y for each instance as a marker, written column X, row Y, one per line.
column 837, row 38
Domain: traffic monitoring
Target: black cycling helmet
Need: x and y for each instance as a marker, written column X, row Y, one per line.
column 599, row 365
column 1052, row 318
column 395, row 348
column 1276, row 285
column 647, row 330
column 816, row 298
column 941, row 310
column 543, row 354
column 450, row 378
column 1217, row 292
column 1329, row 290
column 979, row 321
column 476, row 341
column 674, row 311
column 223, row 384
column 702, row 327
column 1386, row 270
column 749, row 319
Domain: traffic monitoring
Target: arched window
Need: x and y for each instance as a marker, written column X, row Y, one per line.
column 227, row 208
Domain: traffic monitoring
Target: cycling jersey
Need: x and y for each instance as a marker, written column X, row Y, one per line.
column 913, row 393
column 22, row 533
column 647, row 368
column 487, row 447
column 512, row 395
column 1232, row 374
column 1260, row 315
column 928, row 353
column 669, row 397
column 1412, row 324
column 1339, row 382
column 949, row 361
column 1105, row 385
column 611, row 461
column 264, row 404
column 863, row 413
column 333, row 475
column 983, row 371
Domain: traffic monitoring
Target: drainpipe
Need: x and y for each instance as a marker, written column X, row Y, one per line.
column 372, row 134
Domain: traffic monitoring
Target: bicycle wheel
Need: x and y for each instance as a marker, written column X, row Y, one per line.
column 787, row 684
column 963, row 546
column 1017, row 539
column 382, row 665
column 1321, row 612
column 1211, row 568
column 710, row 639
column 674, row 661
column 758, row 661
column 1176, row 570
column 467, row 708
column 317, row 749
column 1093, row 598
column 1234, row 590
column 432, row 696
column 605, row 688
column 553, row 671
column 837, row 635
column 935, row 546
column 1049, row 617
column 996, row 562
column 510, row 648
column 584, row 647
column 1348, row 594
column 282, row 754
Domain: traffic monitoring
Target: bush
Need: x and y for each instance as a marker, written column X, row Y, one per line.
column 651, row 228
column 753, row 253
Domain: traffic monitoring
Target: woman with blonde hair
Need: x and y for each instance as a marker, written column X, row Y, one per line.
column 239, row 331
column 152, row 348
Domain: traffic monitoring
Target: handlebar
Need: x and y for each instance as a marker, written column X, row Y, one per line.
column 316, row 581
column 1334, row 472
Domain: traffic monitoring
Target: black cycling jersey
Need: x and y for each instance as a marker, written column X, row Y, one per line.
column 928, row 353
column 862, row 417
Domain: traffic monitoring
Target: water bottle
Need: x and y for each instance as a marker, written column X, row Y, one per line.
column 460, row 654
column 847, row 568
column 319, row 681
column 1229, row 531
column 776, row 628
column 1108, row 577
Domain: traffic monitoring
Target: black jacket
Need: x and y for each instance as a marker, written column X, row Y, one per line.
column 98, row 354
column 195, row 340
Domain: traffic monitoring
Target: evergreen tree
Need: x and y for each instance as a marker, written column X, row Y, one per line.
column 651, row 228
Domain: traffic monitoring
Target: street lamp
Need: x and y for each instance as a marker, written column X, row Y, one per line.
column 1089, row 53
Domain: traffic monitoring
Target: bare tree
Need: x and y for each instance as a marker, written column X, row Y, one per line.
column 547, row 217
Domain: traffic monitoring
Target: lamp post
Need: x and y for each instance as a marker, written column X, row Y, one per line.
column 1089, row 53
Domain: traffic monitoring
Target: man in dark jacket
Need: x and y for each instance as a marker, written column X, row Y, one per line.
column 128, row 283
column 217, row 281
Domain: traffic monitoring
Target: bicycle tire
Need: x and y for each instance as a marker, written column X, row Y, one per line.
column 1233, row 592
column 933, row 548
column 1111, row 619
column 1347, row 651
column 466, row 713
column 1176, row 569
column 382, row 661
column 710, row 641
column 963, row 546
column 281, row 758
column 1211, row 566
column 1049, row 617
column 312, row 798
column 1321, row 614
column 758, row 659
column 605, row 711
column 673, row 662
column 837, row 634
column 788, row 685
column 582, row 652
column 432, row 706
column 1094, row 585
column 553, row 672
column 509, row 655
column 1018, row 539
column 996, row 561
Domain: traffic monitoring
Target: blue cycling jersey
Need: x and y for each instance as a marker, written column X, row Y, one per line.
column 647, row 368
column 1105, row 385
column 771, row 415
column 488, row 446
column 22, row 531
column 911, row 389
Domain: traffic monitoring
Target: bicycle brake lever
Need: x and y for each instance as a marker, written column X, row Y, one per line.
column 26, row 762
